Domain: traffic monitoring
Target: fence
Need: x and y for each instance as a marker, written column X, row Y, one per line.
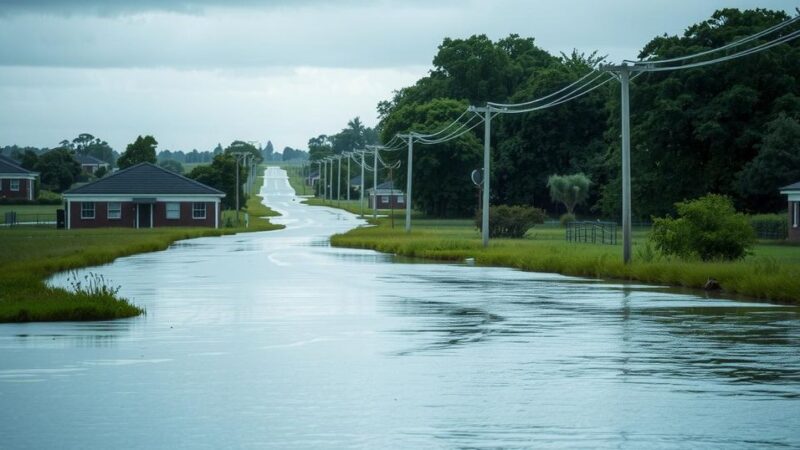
column 13, row 219
column 592, row 232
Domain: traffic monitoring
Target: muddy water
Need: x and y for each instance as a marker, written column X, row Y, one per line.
column 277, row 340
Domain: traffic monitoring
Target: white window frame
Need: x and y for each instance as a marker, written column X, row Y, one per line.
column 796, row 214
column 84, row 209
column 176, row 215
column 117, row 210
column 384, row 199
column 14, row 181
column 400, row 199
column 195, row 210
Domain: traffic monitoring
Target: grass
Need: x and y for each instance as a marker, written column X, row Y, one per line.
column 771, row 273
column 32, row 254
column 49, row 210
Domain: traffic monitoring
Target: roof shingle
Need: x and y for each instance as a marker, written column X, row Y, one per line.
column 145, row 179
column 8, row 165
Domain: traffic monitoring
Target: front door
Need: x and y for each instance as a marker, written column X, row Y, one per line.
column 144, row 211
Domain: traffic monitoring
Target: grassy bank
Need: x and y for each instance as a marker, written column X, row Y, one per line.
column 771, row 273
column 31, row 255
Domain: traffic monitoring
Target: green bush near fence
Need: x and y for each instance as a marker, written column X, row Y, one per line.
column 770, row 226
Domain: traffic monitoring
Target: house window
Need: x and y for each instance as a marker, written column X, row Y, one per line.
column 174, row 211
column 114, row 210
column 384, row 199
column 14, row 185
column 400, row 200
column 796, row 215
column 198, row 210
column 87, row 210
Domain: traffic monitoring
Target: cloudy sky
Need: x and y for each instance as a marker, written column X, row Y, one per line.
column 197, row 72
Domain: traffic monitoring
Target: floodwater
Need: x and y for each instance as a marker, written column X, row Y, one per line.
column 277, row 340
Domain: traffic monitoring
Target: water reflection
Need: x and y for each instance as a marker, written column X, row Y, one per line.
column 278, row 340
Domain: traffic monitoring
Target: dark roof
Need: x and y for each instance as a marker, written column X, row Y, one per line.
column 88, row 159
column 385, row 186
column 145, row 179
column 792, row 187
column 8, row 165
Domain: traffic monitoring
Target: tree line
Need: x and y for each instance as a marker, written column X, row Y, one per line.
column 731, row 129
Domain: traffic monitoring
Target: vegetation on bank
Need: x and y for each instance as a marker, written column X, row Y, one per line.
column 772, row 272
column 32, row 254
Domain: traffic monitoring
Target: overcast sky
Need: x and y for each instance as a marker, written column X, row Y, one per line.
column 197, row 72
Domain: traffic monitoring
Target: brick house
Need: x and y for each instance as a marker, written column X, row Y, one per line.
column 16, row 182
column 793, row 193
column 387, row 196
column 90, row 164
column 143, row 196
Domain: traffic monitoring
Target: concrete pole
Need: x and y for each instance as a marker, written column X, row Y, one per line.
column 319, row 174
column 408, row 181
column 330, row 191
column 375, row 184
column 348, row 177
column 361, row 200
column 339, row 184
column 624, row 76
column 237, row 191
column 487, row 132
column 324, row 179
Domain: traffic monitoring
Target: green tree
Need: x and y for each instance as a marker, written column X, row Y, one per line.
column 58, row 169
column 171, row 165
column 570, row 190
column 221, row 174
column 141, row 150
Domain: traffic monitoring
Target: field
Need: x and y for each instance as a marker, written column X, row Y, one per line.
column 772, row 272
column 31, row 254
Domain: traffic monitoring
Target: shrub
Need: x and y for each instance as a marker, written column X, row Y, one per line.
column 769, row 226
column 511, row 221
column 566, row 218
column 708, row 228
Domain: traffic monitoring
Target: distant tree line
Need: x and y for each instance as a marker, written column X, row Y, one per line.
column 731, row 129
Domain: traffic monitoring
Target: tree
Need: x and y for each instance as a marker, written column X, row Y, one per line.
column 245, row 147
column 141, row 150
column 29, row 159
column 57, row 169
column 221, row 174
column 171, row 165
column 570, row 190
column 268, row 151
column 290, row 154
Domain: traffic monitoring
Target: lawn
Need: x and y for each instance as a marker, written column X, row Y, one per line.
column 32, row 254
column 25, row 210
column 772, row 272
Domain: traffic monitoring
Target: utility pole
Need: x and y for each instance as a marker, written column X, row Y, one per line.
column 319, row 174
column 323, row 179
column 236, row 156
column 348, row 176
column 361, row 200
column 623, row 74
column 375, row 184
column 330, row 190
column 410, row 138
column 487, row 161
column 339, row 183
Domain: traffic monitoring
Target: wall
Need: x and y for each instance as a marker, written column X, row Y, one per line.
column 24, row 187
column 128, row 218
column 185, row 220
column 794, row 233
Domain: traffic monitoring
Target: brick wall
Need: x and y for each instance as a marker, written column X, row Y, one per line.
column 128, row 219
column 185, row 220
column 22, row 193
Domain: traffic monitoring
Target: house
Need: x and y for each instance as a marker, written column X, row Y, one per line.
column 355, row 183
column 143, row 196
column 387, row 196
column 90, row 164
column 16, row 182
column 793, row 193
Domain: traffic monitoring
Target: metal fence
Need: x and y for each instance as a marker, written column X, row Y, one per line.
column 592, row 232
column 13, row 219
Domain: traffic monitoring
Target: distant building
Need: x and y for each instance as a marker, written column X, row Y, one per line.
column 386, row 196
column 793, row 193
column 90, row 164
column 16, row 182
column 143, row 196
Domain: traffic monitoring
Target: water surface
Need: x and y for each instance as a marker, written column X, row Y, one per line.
column 277, row 340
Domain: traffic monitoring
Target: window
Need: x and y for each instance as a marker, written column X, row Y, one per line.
column 796, row 214
column 400, row 199
column 114, row 210
column 14, row 185
column 198, row 210
column 384, row 199
column 87, row 210
column 174, row 211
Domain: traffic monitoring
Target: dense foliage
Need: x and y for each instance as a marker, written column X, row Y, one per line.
column 570, row 190
column 511, row 221
column 708, row 228
column 731, row 128
column 221, row 175
column 143, row 149
column 57, row 169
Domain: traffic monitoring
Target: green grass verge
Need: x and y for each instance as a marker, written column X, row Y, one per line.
column 32, row 254
column 27, row 210
column 771, row 273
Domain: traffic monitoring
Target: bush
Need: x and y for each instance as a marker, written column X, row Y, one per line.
column 708, row 228
column 511, row 221
column 566, row 218
column 770, row 226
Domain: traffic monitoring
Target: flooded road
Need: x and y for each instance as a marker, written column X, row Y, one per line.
column 277, row 340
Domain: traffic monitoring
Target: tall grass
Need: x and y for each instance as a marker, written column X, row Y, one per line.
column 771, row 273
